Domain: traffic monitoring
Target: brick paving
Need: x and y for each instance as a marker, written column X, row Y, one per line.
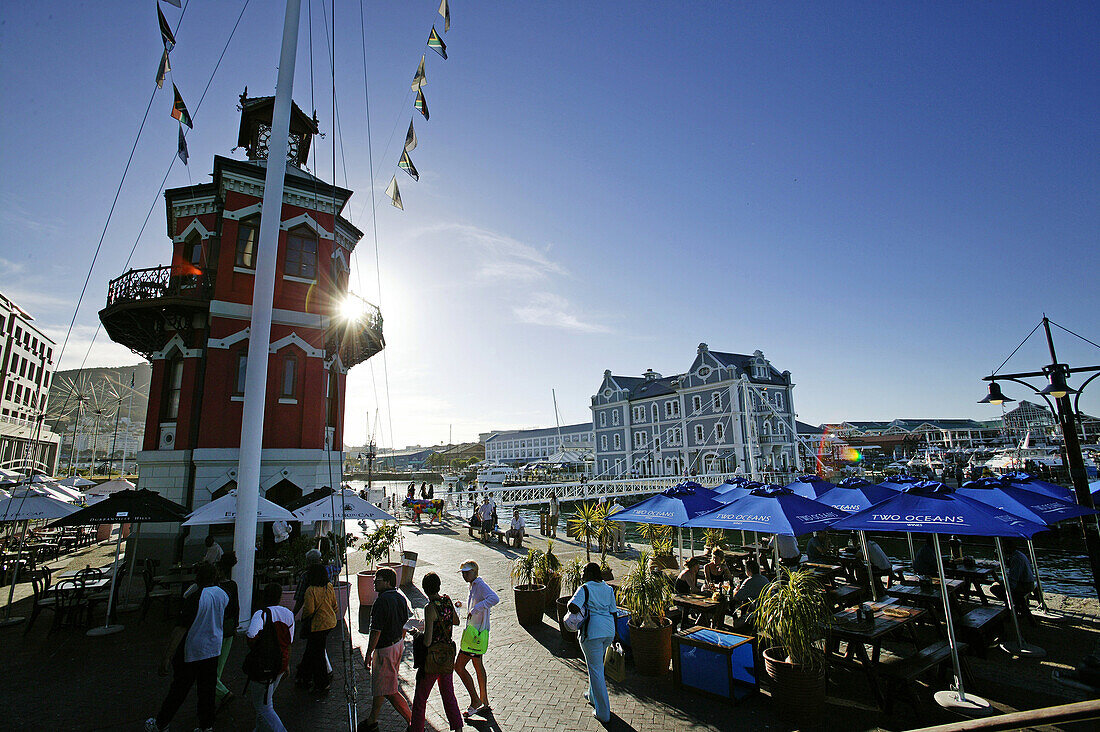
column 65, row 680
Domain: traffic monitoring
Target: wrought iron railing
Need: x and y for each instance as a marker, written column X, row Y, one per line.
column 155, row 282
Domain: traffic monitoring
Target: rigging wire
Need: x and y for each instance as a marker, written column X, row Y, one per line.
column 1017, row 348
column 1086, row 340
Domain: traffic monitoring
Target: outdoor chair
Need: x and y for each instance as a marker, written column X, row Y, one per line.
column 41, row 598
column 152, row 592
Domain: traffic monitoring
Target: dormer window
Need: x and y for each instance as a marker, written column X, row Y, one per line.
column 759, row 370
column 248, row 232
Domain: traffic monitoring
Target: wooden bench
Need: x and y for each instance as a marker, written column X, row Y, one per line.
column 842, row 596
column 982, row 626
column 900, row 673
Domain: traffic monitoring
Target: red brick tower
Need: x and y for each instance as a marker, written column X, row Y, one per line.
column 190, row 319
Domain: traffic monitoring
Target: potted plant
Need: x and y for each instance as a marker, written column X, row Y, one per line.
column 789, row 616
column 548, row 573
column 334, row 549
column 660, row 540
column 646, row 593
column 529, row 595
column 571, row 581
column 714, row 539
column 588, row 522
column 376, row 545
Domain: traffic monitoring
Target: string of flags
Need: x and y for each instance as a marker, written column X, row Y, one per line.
column 420, row 78
column 179, row 108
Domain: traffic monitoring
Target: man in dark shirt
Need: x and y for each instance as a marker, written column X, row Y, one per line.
column 383, row 655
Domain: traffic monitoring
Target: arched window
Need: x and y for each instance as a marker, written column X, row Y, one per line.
column 301, row 253
column 716, row 400
column 696, row 404
column 248, row 233
column 698, row 433
column 720, row 431
column 618, row 442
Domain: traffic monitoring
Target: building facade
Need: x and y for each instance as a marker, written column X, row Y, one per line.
column 26, row 370
column 191, row 320
column 728, row 412
column 519, row 447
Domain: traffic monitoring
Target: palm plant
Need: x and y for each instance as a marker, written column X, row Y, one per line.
column 589, row 520
column 646, row 594
column 548, row 565
column 525, row 568
column 659, row 538
column 791, row 612
column 571, row 575
column 715, row 538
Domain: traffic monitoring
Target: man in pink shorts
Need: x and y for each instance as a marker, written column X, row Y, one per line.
column 383, row 655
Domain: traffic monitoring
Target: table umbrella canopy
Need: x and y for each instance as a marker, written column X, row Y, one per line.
column 127, row 507
column 810, row 486
column 76, row 482
column 930, row 507
column 1094, row 489
column 729, row 492
column 1037, row 507
column 771, row 510
column 899, row 482
column 344, row 505
column 110, row 486
column 1030, row 483
column 32, row 506
column 224, row 511
column 853, row 497
column 672, row 507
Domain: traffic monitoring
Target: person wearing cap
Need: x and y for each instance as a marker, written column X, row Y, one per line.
column 481, row 598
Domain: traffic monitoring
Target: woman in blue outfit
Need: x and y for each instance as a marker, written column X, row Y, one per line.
column 598, row 600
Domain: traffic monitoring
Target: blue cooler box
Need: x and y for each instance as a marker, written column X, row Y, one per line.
column 715, row 662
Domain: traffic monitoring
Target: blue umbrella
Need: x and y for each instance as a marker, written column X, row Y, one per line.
column 1094, row 488
column 728, row 491
column 1031, row 483
column 853, row 498
column 810, row 486
column 672, row 507
column 899, row 482
column 930, row 507
column 773, row 510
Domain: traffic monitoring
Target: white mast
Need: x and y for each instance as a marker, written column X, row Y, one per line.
column 259, row 337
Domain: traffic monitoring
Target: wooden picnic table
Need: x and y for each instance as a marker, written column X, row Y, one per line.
column 973, row 579
column 890, row 617
column 704, row 605
column 925, row 596
column 825, row 573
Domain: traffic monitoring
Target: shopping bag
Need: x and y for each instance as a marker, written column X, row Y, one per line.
column 474, row 641
column 614, row 663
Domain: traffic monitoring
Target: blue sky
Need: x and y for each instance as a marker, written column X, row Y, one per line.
column 883, row 198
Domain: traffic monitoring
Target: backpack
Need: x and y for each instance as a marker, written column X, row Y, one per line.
column 270, row 652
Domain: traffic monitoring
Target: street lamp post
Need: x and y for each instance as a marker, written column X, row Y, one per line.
column 1066, row 413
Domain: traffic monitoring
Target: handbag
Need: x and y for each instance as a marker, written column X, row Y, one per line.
column 474, row 641
column 576, row 622
column 614, row 662
column 439, row 657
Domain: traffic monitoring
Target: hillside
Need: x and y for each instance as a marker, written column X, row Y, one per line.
column 98, row 390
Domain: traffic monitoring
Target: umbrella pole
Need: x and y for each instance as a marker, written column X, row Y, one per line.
column 680, row 542
column 1019, row 648
column 957, row 700
column 8, row 619
column 870, row 568
column 131, row 606
column 107, row 628
column 1045, row 612
column 912, row 551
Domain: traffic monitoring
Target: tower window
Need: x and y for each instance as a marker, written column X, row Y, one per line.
column 248, row 232
column 173, row 386
column 194, row 251
column 301, row 254
column 242, row 368
column 290, row 376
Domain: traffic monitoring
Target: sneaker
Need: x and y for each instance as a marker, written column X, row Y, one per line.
column 151, row 725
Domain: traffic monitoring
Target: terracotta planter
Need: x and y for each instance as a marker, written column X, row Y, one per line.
column 367, row 593
column 408, row 568
column 665, row 561
column 530, row 601
column 553, row 589
column 798, row 692
column 569, row 637
column 343, row 596
column 395, row 566
column 652, row 648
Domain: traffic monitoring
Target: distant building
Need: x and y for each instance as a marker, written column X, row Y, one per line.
column 1030, row 417
column 728, row 412
column 409, row 458
column 519, row 447
column 26, row 368
column 906, row 435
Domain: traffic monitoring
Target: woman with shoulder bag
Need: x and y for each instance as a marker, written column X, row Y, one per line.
column 319, row 613
column 439, row 656
column 596, row 634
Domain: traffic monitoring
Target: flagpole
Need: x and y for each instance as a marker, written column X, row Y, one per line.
column 259, row 339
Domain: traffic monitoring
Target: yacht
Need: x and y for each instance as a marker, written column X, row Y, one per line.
column 492, row 476
column 1016, row 458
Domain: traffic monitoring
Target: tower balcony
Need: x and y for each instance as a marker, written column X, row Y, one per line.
column 146, row 307
column 356, row 331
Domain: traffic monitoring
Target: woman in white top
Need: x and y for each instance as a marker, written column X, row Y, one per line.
column 598, row 600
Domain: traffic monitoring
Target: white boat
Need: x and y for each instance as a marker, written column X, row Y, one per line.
column 495, row 475
column 1016, row 458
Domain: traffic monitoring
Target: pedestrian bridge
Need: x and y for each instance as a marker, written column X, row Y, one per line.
column 539, row 494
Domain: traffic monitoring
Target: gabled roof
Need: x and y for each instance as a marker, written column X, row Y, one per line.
column 745, row 363
column 808, row 429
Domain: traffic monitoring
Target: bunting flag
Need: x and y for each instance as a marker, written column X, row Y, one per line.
column 181, row 150
column 163, row 70
column 420, row 79
column 421, row 103
column 406, row 164
column 166, row 32
column 436, row 44
column 174, row 2
column 179, row 109
column 410, row 138
column 394, row 194
column 445, row 11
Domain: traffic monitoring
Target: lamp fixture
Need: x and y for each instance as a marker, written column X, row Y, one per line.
column 995, row 396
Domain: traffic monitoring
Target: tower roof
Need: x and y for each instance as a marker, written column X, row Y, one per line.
column 256, row 114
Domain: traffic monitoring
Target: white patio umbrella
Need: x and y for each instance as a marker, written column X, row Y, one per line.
column 76, row 482
column 26, row 507
column 101, row 491
column 224, row 511
column 344, row 505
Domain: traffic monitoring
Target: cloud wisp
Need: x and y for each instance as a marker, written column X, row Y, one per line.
column 553, row 311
